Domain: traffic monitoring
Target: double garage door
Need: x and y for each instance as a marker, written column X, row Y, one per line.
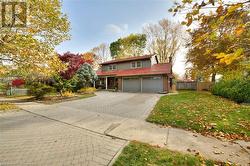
column 143, row 84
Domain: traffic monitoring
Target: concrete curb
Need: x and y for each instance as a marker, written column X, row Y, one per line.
column 117, row 154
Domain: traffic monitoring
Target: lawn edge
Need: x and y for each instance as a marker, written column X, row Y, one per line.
column 116, row 156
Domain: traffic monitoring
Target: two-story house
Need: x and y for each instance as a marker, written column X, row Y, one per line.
column 136, row 74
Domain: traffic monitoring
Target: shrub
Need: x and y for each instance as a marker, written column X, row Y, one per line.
column 237, row 89
column 87, row 90
column 86, row 75
column 68, row 94
column 3, row 87
column 39, row 89
column 18, row 82
column 63, row 85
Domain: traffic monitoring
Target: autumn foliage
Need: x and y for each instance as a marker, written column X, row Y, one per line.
column 18, row 82
column 73, row 62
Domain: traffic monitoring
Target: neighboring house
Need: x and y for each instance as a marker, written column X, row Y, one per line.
column 136, row 74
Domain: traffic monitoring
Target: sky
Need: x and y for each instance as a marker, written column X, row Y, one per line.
column 103, row 21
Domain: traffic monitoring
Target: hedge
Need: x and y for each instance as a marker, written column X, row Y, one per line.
column 237, row 90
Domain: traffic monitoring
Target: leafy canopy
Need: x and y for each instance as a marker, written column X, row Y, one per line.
column 132, row 45
column 30, row 50
column 73, row 63
column 221, row 40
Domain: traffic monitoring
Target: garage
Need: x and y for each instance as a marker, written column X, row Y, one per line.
column 152, row 84
column 149, row 84
column 132, row 84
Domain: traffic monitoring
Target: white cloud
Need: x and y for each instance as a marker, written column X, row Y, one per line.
column 116, row 29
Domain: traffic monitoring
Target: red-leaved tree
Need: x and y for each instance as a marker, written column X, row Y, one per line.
column 73, row 62
column 18, row 82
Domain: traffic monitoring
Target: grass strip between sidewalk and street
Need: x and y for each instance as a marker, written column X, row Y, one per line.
column 141, row 154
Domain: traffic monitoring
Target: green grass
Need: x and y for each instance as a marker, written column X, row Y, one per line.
column 7, row 106
column 204, row 113
column 140, row 154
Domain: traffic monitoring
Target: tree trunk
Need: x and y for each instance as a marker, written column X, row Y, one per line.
column 213, row 77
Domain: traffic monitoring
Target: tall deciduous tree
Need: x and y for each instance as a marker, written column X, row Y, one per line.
column 92, row 57
column 102, row 53
column 132, row 45
column 221, row 42
column 223, row 14
column 164, row 39
column 31, row 49
column 220, row 45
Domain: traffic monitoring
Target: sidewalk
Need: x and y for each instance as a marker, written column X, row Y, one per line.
column 133, row 129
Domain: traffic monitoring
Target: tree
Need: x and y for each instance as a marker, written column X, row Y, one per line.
column 91, row 58
column 220, row 45
column 132, row 45
column 102, row 53
column 217, row 14
column 31, row 49
column 86, row 75
column 164, row 39
column 73, row 62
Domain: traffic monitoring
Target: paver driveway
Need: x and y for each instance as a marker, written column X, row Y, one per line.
column 128, row 105
column 26, row 139
column 69, row 133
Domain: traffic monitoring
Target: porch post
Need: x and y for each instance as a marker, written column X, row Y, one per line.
column 106, row 83
column 94, row 84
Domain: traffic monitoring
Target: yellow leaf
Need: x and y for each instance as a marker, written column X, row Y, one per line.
column 239, row 30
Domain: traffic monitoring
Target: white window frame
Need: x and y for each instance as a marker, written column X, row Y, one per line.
column 136, row 64
column 112, row 67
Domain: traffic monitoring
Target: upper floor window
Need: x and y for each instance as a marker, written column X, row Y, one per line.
column 136, row 64
column 112, row 67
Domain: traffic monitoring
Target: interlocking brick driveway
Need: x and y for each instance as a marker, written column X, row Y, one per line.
column 28, row 139
column 67, row 133
column 125, row 105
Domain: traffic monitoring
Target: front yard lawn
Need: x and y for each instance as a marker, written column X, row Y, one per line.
column 204, row 113
column 141, row 154
column 7, row 106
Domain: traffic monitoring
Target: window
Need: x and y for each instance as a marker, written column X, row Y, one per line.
column 112, row 67
column 133, row 65
column 136, row 64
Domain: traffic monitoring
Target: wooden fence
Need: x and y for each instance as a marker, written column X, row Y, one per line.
column 193, row 85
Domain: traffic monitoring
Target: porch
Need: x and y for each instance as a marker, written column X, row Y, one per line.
column 107, row 82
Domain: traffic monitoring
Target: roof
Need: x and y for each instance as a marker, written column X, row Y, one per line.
column 127, row 59
column 163, row 68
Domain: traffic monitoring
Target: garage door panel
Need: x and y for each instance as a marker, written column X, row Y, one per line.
column 131, row 85
column 152, row 84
